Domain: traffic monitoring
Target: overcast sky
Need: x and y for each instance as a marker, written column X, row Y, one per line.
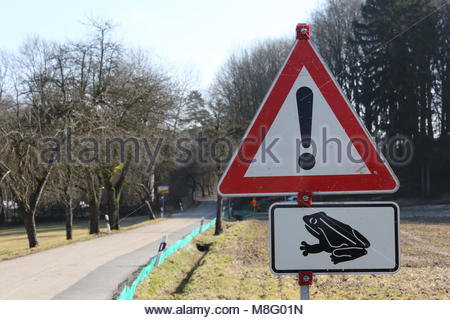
column 191, row 36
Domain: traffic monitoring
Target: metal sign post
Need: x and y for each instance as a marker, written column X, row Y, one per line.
column 162, row 190
column 162, row 206
column 305, row 280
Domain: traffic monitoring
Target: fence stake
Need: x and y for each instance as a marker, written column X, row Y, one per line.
column 162, row 247
column 108, row 226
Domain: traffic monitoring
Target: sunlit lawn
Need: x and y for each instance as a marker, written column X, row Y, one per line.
column 14, row 242
column 237, row 267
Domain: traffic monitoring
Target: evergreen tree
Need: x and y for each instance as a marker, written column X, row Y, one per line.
column 397, row 81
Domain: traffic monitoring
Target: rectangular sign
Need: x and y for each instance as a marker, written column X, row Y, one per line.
column 352, row 237
column 163, row 189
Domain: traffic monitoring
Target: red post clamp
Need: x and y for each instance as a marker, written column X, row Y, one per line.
column 305, row 278
column 303, row 31
column 304, row 198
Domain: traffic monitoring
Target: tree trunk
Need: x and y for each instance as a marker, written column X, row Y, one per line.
column 109, row 194
column 2, row 215
column 94, row 217
column 218, row 216
column 203, row 190
column 427, row 179
column 113, row 192
column 115, row 221
column 113, row 203
column 30, row 227
column 151, row 187
column 27, row 208
column 69, row 220
column 151, row 214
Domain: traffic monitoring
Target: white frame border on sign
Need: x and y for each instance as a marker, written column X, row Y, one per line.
column 340, row 204
column 397, row 186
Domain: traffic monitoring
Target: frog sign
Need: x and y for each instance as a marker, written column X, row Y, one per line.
column 334, row 238
column 342, row 241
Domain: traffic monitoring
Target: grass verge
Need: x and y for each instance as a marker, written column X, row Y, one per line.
column 236, row 267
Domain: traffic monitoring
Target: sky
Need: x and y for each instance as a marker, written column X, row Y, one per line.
column 190, row 38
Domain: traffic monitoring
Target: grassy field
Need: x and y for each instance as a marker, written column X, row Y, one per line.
column 14, row 242
column 236, row 267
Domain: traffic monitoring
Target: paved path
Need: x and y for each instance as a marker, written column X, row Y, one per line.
column 92, row 269
column 425, row 211
column 430, row 212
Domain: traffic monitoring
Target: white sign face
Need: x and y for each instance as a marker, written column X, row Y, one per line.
column 355, row 237
column 285, row 133
column 163, row 189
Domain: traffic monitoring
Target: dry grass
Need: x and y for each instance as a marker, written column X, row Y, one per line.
column 236, row 267
column 14, row 242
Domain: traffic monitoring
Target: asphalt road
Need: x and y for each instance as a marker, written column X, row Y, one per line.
column 93, row 269
column 439, row 213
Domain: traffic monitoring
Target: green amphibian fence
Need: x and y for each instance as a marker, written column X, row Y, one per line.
column 128, row 292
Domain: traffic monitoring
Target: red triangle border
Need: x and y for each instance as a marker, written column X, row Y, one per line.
column 380, row 180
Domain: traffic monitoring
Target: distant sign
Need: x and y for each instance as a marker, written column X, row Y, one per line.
column 334, row 237
column 163, row 189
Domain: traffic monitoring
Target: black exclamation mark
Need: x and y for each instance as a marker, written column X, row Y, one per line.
column 306, row 160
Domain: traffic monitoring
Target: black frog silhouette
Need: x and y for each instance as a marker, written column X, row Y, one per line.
column 342, row 241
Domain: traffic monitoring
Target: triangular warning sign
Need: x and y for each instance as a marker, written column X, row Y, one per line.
column 306, row 137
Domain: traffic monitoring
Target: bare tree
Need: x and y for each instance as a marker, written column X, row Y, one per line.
column 24, row 177
column 245, row 78
column 68, row 193
column 146, row 188
column 66, row 93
